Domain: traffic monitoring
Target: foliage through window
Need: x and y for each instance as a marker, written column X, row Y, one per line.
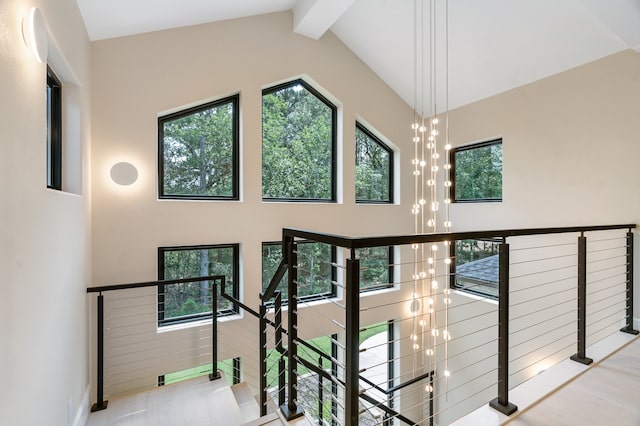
column 298, row 144
column 229, row 367
column 376, row 267
column 374, row 168
column 54, row 131
column 476, row 267
column 192, row 301
column 477, row 172
column 198, row 151
column 316, row 273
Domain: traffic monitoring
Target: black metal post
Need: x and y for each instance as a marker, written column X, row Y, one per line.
column 282, row 393
column 501, row 403
column 352, row 359
column 291, row 409
column 320, row 394
column 334, row 373
column 263, row 358
column 581, row 355
column 215, row 374
column 101, row 404
column 628, row 328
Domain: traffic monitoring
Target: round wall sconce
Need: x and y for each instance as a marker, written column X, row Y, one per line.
column 124, row 173
column 35, row 34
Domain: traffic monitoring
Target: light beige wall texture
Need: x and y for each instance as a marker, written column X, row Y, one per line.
column 570, row 149
column 44, row 234
column 138, row 78
column 564, row 140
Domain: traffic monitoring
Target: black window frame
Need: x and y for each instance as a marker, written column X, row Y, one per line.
column 452, row 162
column 390, row 270
column 54, row 130
column 235, row 287
column 389, row 150
column 452, row 271
column 334, row 142
column 309, row 298
column 234, row 100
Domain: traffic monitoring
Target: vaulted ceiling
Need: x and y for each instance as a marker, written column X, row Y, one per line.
column 493, row 45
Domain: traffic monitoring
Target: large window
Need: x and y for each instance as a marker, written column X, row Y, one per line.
column 376, row 267
column 198, row 152
column 192, row 301
column 374, row 168
column 476, row 267
column 298, row 144
column 316, row 270
column 477, row 172
column 54, row 131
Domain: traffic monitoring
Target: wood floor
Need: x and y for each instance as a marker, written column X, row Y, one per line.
column 197, row 402
column 607, row 394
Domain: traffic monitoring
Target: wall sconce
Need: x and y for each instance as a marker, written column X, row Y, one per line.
column 35, row 34
column 124, row 173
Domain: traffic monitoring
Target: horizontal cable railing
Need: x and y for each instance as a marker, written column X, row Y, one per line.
column 465, row 326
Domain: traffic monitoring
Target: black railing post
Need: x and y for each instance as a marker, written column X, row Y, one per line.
column 263, row 358
column 320, row 395
column 501, row 403
column 282, row 393
column 581, row 355
column 215, row 374
column 352, row 359
column 100, row 404
column 628, row 328
column 291, row 409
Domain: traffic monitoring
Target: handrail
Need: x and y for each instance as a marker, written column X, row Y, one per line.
column 275, row 281
column 380, row 241
column 103, row 288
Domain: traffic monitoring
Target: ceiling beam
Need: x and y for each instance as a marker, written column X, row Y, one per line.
column 312, row 18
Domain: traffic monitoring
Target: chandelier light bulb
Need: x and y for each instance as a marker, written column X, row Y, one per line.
column 447, row 260
column 435, row 206
column 447, row 200
column 447, row 166
column 435, row 121
column 416, row 139
column 447, row 183
column 434, row 132
column 422, row 201
column 434, row 168
column 423, row 163
column 434, row 247
column 431, row 138
column 414, row 126
column 416, row 347
column 447, row 224
column 447, row 373
column 423, row 129
column 435, row 156
column 434, row 285
column 447, row 146
column 416, row 172
column 429, row 352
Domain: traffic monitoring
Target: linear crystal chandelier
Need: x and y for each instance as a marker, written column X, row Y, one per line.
column 430, row 137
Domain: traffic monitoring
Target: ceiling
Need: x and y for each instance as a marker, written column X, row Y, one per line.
column 493, row 45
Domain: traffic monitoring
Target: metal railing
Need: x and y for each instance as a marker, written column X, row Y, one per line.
column 559, row 290
column 546, row 288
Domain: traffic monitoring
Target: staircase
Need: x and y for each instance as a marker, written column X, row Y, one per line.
column 193, row 402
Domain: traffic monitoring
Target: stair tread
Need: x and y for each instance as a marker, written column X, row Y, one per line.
column 249, row 407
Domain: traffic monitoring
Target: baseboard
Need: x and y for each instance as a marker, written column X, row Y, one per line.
column 82, row 415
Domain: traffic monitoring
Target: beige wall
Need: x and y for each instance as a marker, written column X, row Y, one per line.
column 137, row 78
column 44, row 234
column 570, row 149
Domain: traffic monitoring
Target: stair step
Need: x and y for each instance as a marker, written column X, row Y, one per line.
column 225, row 409
column 249, row 407
column 272, row 419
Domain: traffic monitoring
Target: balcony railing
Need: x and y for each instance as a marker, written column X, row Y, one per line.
column 395, row 354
